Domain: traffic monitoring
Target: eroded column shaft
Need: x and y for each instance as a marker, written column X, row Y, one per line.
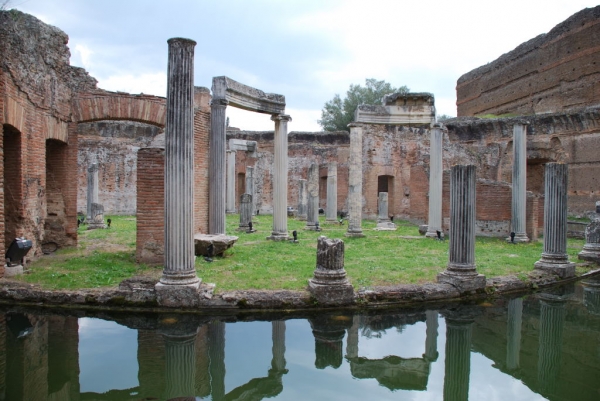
column 355, row 177
column 230, row 181
column 331, row 211
column 217, row 167
column 302, row 212
column 280, row 178
column 313, row 196
column 434, row 221
column 519, row 183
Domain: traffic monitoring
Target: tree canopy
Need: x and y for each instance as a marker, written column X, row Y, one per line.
column 338, row 113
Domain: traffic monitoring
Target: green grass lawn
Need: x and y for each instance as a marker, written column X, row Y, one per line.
column 105, row 257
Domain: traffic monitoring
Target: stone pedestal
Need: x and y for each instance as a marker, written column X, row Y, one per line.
column 461, row 271
column 313, row 197
column 554, row 258
column 179, row 270
column 230, row 208
column 280, row 178
column 591, row 249
column 302, row 212
column 355, row 177
column 434, row 221
column 245, row 213
column 383, row 219
column 518, row 220
column 329, row 284
column 217, row 166
column 97, row 217
column 331, row 208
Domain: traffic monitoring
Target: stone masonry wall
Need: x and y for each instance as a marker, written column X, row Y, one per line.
column 553, row 72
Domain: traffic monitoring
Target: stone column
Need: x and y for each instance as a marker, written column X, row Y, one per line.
column 383, row 218
column 92, row 189
column 434, row 221
column 280, row 178
column 329, row 284
column 552, row 318
column 355, row 177
column 591, row 249
column 302, row 200
column 250, row 186
column 179, row 267
column 431, row 352
column 331, row 211
column 230, row 182
column 513, row 335
column 180, row 367
column 554, row 258
column 245, row 212
column 461, row 271
column 519, row 184
column 458, row 359
column 216, row 167
column 313, row 197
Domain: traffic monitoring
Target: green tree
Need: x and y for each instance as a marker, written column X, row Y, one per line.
column 338, row 113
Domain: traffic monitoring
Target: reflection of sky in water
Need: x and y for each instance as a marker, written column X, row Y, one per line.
column 107, row 356
column 108, row 360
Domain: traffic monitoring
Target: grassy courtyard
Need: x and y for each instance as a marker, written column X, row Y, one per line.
column 105, row 257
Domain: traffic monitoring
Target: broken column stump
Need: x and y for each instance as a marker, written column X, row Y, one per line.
column 329, row 285
column 591, row 249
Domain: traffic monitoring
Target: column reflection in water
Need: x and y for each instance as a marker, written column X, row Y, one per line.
column 329, row 335
column 216, row 352
column 180, row 362
column 458, row 358
column 513, row 343
column 591, row 295
column 552, row 319
column 431, row 352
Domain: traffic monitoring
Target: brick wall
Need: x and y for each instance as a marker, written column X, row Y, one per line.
column 150, row 241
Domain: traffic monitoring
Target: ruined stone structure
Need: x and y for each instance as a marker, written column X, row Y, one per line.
column 551, row 73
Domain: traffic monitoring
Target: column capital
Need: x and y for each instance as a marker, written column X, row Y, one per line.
column 355, row 125
column 216, row 102
column 281, row 117
column 521, row 121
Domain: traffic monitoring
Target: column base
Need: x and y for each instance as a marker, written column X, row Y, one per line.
column 519, row 238
column 278, row 236
column 590, row 252
column 463, row 282
column 354, row 233
column 332, row 221
column 178, row 295
column 386, row 226
column 11, row 271
column 312, row 228
column 96, row 226
column 564, row 269
column 301, row 218
column 340, row 294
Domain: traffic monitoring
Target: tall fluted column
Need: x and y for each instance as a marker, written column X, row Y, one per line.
column 552, row 318
column 431, row 332
column 434, row 221
column 250, row 186
column 302, row 212
column 555, row 258
column 230, row 182
column 461, row 271
column 180, row 366
column 313, row 197
column 519, row 184
column 92, row 189
column 216, row 353
column 217, row 167
column 355, row 177
column 179, row 167
column 458, row 359
column 280, row 178
column 331, row 211
column 513, row 335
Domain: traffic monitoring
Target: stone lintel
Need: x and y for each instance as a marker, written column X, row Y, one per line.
column 408, row 99
column 463, row 282
column 244, row 146
column 399, row 109
column 246, row 97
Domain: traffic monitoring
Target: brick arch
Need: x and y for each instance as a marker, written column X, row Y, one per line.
column 98, row 106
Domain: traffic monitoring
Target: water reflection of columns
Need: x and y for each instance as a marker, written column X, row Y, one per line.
column 591, row 295
column 458, row 359
column 352, row 342
column 513, row 343
column 216, row 352
column 329, row 336
column 278, row 336
column 431, row 333
column 180, row 366
column 552, row 318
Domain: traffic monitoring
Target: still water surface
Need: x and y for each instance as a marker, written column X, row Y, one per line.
column 544, row 346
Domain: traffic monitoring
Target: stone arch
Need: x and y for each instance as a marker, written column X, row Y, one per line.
column 119, row 106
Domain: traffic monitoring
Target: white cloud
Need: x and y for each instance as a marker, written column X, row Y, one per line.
column 148, row 83
column 81, row 56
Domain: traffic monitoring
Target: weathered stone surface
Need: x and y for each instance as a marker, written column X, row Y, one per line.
column 246, row 97
column 591, row 249
column 329, row 284
column 399, row 109
column 552, row 72
column 221, row 243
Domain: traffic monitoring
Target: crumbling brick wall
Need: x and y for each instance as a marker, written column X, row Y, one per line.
column 551, row 73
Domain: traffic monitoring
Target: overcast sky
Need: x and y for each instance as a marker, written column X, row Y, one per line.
column 306, row 50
